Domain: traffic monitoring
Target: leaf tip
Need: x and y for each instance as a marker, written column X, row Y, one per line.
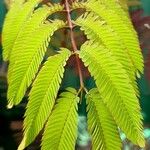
column 141, row 143
column 22, row 144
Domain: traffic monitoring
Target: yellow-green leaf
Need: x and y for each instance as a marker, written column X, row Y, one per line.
column 61, row 129
column 42, row 96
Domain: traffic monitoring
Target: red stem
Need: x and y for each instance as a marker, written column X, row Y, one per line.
column 74, row 46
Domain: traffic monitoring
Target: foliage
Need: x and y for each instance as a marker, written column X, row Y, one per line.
column 111, row 53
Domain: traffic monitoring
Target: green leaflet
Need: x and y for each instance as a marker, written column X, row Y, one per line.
column 26, row 67
column 14, row 24
column 115, row 89
column 120, row 8
column 9, row 19
column 115, row 6
column 42, row 96
column 101, row 125
column 120, row 24
column 99, row 31
column 32, row 25
column 61, row 129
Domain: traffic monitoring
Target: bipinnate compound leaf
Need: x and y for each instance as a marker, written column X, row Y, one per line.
column 108, row 52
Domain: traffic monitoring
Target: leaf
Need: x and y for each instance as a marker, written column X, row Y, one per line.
column 101, row 125
column 14, row 23
column 114, row 86
column 112, row 55
column 42, row 96
column 61, row 129
column 32, row 25
column 117, row 18
column 9, row 19
column 27, row 65
column 99, row 31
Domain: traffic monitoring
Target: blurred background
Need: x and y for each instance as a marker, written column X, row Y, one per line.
column 11, row 118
